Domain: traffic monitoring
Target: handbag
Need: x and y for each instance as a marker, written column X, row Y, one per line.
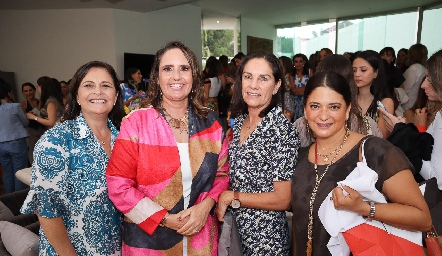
column 433, row 246
column 366, row 239
column 377, row 238
column 229, row 239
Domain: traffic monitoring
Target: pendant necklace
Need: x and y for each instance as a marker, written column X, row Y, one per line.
column 318, row 179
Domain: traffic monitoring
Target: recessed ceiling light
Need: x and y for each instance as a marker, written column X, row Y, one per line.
column 217, row 21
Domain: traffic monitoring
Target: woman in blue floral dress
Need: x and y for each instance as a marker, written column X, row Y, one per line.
column 68, row 187
column 300, row 76
column 262, row 156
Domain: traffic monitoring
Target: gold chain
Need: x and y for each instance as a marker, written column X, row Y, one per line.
column 178, row 123
column 318, row 180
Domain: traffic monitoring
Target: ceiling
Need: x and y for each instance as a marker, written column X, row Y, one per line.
column 276, row 12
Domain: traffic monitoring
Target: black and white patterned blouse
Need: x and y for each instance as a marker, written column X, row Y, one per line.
column 269, row 154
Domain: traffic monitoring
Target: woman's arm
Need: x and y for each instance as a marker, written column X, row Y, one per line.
column 207, row 85
column 55, row 231
column 51, row 109
column 407, row 210
column 389, row 105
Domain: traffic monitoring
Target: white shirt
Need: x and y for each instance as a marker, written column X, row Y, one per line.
column 215, row 87
column 433, row 168
column 414, row 76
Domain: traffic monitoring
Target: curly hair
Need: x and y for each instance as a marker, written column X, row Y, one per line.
column 196, row 96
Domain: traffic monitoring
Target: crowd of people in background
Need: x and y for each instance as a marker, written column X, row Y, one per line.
column 230, row 138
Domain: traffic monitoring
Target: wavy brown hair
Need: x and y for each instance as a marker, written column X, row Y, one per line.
column 196, row 95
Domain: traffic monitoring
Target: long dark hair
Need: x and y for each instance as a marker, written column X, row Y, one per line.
column 49, row 88
column 196, row 96
column 73, row 109
column 239, row 106
column 128, row 77
column 378, row 87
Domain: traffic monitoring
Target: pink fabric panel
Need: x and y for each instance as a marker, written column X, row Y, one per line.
column 162, row 134
column 131, row 251
column 124, row 195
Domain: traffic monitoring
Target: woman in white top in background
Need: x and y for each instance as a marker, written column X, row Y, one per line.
column 214, row 81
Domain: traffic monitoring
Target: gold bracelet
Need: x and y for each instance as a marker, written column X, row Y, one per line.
column 163, row 221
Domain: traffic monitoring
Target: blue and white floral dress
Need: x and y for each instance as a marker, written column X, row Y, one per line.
column 68, row 181
column 299, row 107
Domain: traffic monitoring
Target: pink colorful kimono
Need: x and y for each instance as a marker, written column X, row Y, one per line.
column 144, row 180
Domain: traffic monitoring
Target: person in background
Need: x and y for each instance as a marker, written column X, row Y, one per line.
column 334, row 155
column 68, row 187
column 324, row 52
column 402, row 55
column 301, row 75
column 214, row 82
column 429, row 118
column 356, row 122
column 225, row 63
column 13, row 148
column 51, row 103
column 415, row 73
column 288, row 105
column 64, row 91
column 34, row 129
column 262, row 156
column 132, row 94
column 368, row 70
column 169, row 164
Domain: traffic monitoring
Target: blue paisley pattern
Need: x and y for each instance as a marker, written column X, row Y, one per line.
column 269, row 154
column 68, row 180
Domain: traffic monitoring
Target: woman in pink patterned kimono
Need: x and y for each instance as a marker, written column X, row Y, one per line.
column 169, row 163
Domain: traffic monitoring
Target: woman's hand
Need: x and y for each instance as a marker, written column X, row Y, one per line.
column 223, row 202
column 197, row 217
column 391, row 120
column 351, row 202
column 30, row 116
column 420, row 117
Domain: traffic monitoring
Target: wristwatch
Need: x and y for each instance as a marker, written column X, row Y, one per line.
column 36, row 118
column 372, row 211
column 235, row 204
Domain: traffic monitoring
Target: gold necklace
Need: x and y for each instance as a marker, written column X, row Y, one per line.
column 178, row 123
column 318, row 180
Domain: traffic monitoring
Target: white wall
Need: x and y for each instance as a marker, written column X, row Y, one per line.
column 57, row 42
column 254, row 28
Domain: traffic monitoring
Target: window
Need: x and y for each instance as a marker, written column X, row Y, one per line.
column 396, row 30
column 306, row 39
column 431, row 35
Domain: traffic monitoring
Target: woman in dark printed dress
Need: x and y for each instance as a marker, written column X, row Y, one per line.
column 263, row 156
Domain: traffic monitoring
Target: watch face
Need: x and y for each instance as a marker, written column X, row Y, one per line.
column 235, row 204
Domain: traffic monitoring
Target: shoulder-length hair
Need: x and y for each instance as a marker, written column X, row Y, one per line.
column 49, row 88
column 196, row 95
column 73, row 108
column 378, row 87
column 128, row 76
column 341, row 65
column 418, row 53
column 239, row 106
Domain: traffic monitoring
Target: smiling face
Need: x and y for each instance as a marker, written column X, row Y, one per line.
column 29, row 92
column 258, row 84
column 137, row 77
column 97, row 93
column 175, row 76
column 298, row 63
column 326, row 112
column 363, row 72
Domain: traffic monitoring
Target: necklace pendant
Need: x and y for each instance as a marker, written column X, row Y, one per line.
column 325, row 158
